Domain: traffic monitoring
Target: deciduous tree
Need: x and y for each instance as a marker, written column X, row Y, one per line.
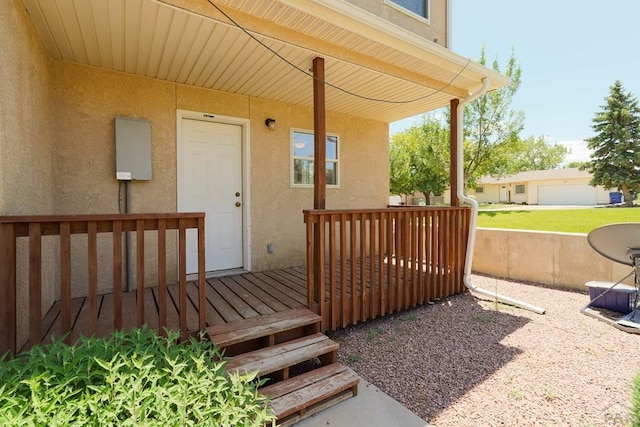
column 492, row 127
column 419, row 159
column 536, row 154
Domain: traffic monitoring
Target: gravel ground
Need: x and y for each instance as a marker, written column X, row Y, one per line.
column 466, row 362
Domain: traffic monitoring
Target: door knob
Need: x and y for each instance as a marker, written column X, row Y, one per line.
column 238, row 204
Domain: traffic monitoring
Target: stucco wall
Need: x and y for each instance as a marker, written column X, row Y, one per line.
column 277, row 207
column 435, row 30
column 88, row 99
column 26, row 122
column 26, row 140
column 563, row 260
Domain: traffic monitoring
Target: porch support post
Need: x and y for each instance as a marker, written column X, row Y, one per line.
column 319, row 135
column 319, row 176
column 453, row 160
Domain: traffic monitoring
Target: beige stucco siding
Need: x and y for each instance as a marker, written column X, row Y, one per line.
column 26, row 140
column 88, row 99
column 434, row 30
column 277, row 207
column 26, row 122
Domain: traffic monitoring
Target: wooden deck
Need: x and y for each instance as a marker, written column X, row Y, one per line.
column 249, row 295
column 229, row 299
column 361, row 264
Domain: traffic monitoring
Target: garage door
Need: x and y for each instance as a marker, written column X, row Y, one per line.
column 567, row 195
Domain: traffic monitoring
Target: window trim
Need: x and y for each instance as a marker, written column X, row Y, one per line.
column 479, row 190
column 524, row 189
column 411, row 13
column 292, row 159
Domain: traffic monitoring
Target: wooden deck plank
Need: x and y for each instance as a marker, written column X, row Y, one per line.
column 249, row 323
column 263, row 296
column 297, row 285
column 105, row 318
column 191, row 314
column 235, row 301
column 272, row 288
column 304, row 391
column 213, row 317
column 274, row 358
column 173, row 320
column 150, row 309
column 228, row 313
column 251, row 300
column 280, row 284
column 55, row 329
column 129, row 310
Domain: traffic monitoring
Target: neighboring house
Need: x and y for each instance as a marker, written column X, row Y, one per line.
column 549, row 187
column 206, row 89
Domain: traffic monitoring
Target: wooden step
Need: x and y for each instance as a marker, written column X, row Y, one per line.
column 309, row 393
column 264, row 331
column 279, row 358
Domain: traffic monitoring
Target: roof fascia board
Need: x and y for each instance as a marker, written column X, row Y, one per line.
column 371, row 26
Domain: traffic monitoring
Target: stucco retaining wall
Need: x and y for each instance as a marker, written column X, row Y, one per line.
column 563, row 260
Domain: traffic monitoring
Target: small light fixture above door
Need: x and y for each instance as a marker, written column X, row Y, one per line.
column 270, row 123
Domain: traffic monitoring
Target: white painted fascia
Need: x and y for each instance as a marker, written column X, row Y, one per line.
column 372, row 26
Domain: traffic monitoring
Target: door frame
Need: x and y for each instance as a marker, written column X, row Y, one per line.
column 245, row 158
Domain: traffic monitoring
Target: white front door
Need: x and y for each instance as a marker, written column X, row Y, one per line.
column 504, row 194
column 210, row 181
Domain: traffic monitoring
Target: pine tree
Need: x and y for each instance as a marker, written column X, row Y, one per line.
column 615, row 161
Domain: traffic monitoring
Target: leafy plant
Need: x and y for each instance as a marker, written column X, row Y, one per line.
column 409, row 317
column 354, row 358
column 128, row 379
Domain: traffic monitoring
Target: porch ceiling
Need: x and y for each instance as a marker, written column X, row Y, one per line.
column 192, row 42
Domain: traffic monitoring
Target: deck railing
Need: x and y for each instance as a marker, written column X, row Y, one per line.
column 362, row 264
column 34, row 228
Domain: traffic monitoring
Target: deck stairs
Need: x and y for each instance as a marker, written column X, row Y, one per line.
column 299, row 362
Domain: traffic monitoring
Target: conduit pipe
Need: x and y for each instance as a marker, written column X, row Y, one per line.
column 474, row 212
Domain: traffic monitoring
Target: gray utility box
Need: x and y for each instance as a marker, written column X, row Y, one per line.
column 133, row 149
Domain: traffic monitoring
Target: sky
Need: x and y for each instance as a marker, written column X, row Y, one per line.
column 570, row 53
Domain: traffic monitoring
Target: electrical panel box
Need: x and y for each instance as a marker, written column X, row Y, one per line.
column 133, row 149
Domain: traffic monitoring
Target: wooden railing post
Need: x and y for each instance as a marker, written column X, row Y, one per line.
column 140, row 271
column 117, row 274
column 182, row 278
column 65, row 280
column 7, row 289
column 202, row 283
column 35, row 283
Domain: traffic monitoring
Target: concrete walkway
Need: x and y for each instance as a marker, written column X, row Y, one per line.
column 370, row 408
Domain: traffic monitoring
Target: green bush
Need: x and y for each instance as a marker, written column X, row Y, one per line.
column 128, row 379
column 635, row 402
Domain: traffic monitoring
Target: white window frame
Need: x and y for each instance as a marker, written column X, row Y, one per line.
column 293, row 158
column 411, row 13
column 524, row 189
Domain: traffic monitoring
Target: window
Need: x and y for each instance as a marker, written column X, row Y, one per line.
column 479, row 189
column 419, row 7
column 302, row 148
column 520, row 189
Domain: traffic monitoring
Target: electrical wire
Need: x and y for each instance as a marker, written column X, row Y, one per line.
column 348, row 92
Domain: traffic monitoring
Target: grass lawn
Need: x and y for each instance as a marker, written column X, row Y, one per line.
column 565, row 220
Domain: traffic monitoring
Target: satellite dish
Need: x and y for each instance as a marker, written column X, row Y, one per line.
column 616, row 242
